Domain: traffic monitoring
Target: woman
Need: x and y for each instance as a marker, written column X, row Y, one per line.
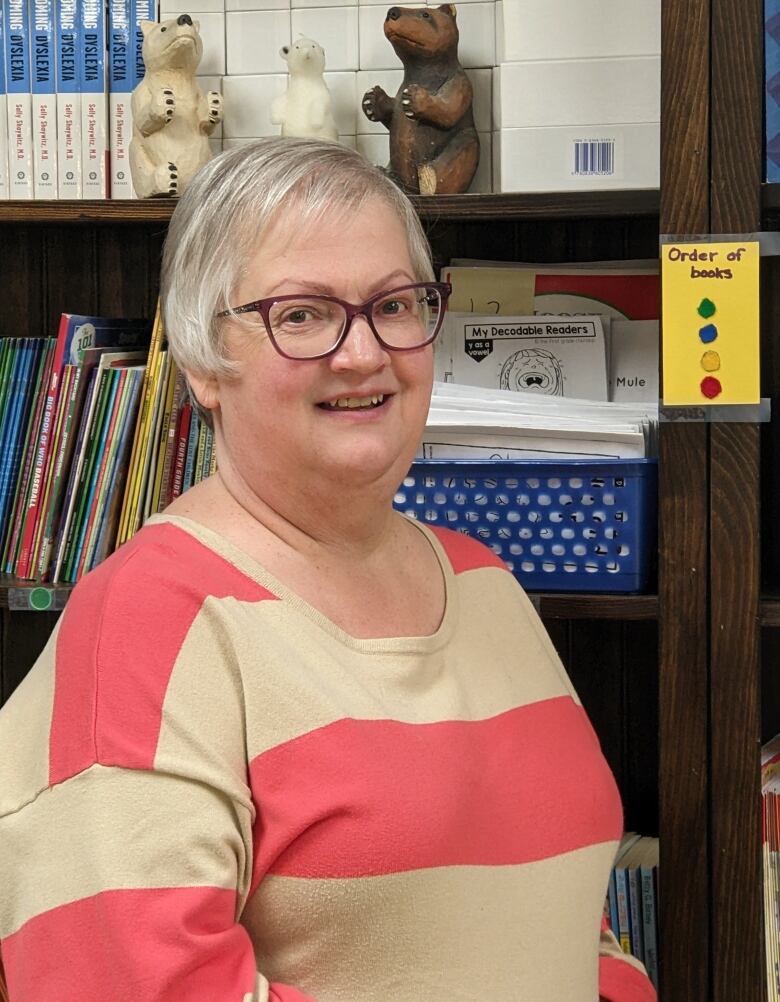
column 287, row 744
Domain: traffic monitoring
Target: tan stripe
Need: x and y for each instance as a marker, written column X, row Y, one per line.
column 25, row 724
column 298, row 677
column 445, row 935
column 116, row 829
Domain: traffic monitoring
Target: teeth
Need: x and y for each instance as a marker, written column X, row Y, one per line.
column 353, row 402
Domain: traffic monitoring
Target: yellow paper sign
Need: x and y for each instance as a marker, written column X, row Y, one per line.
column 501, row 292
column 710, row 323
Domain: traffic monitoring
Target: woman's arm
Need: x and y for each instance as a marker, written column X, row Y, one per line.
column 622, row 978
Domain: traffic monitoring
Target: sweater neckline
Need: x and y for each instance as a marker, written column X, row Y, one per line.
column 235, row 556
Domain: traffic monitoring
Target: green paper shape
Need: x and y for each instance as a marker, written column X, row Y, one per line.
column 707, row 309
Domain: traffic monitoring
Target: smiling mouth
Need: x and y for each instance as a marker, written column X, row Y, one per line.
column 355, row 403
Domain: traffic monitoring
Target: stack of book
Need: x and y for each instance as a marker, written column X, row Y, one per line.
column 632, row 899
column 67, row 71
column 96, row 434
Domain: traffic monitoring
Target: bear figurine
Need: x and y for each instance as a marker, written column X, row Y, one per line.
column 434, row 147
column 172, row 117
column 305, row 108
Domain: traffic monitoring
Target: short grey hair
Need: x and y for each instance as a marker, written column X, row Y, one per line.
column 221, row 217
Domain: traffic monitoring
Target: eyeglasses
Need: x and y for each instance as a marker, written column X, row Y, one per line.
column 307, row 327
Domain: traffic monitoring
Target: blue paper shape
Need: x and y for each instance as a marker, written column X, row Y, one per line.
column 708, row 333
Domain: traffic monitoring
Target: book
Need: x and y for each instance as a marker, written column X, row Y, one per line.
column 75, row 335
column 179, row 393
column 19, row 97
column 194, row 439
column 168, row 394
column 153, row 448
column 66, row 47
column 3, row 119
column 62, row 458
column 11, row 541
column 44, row 100
column 553, row 356
column 109, row 521
column 22, row 405
column 648, row 868
column 617, row 895
column 94, row 108
column 185, row 417
column 120, row 75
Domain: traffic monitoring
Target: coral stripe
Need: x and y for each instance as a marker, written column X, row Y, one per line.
column 465, row 553
column 620, row 981
column 371, row 797
column 165, row 945
column 119, row 640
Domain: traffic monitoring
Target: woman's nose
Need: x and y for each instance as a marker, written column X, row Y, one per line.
column 360, row 349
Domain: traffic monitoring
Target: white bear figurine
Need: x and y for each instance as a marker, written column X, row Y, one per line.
column 305, row 109
column 172, row 118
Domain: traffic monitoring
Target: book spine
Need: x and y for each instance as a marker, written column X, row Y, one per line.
column 193, row 440
column 17, row 442
column 181, row 449
column 119, row 91
column 18, row 81
column 21, row 349
column 140, row 10
column 635, row 908
column 3, row 118
column 650, row 934
column 68, row 100
column 94, row 111
column 212, row 445
column 44, row 100
column 623, row 902
column 12, row 539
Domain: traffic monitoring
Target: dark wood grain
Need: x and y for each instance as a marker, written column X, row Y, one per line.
column 683, row 709
column 22, row 638
column 544, row 205
column 739, row 970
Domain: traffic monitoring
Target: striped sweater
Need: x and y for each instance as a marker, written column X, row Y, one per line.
column 211, row 793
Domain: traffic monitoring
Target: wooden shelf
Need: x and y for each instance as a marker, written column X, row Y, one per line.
column 770, row 611
column 18, row 595
column 510, row 205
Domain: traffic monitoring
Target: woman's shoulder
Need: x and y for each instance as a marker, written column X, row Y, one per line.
column 466, row 553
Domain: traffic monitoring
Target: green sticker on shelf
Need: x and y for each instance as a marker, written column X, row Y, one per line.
column 41, row 599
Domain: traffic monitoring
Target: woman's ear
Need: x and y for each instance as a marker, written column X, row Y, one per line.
column 205, row 389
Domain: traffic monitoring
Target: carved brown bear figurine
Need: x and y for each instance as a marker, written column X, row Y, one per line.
column 434, row 147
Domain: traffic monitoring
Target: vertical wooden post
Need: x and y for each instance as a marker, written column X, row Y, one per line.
column 683, row 543
column 735, row 572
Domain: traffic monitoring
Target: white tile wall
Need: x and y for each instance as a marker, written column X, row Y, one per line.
column 389, row 81
column 253, row 41
column 247, row 101
column 335, row 28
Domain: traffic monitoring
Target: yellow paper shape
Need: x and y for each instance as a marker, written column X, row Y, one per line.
column 727, row 274
column 710, row 361
column 498, row 292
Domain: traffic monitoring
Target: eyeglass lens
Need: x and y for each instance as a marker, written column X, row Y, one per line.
column 310, row 325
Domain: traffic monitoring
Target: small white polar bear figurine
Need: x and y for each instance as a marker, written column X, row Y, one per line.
column 172, row 117
column 305, row 109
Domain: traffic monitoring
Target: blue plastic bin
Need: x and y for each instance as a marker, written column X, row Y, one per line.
column 571, row 525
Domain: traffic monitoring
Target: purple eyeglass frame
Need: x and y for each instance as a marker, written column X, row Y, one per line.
column 263, row 307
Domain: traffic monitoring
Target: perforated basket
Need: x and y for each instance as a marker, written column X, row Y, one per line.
column 569, row 525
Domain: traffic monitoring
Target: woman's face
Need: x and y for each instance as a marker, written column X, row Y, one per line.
column 279, row 418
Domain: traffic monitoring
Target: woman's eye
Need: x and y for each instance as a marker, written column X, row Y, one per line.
column 299, row 316
column 392, row 307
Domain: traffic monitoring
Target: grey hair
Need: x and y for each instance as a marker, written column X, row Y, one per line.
column 221, row 217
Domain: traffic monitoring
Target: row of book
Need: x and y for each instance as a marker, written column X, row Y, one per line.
column 97, row 432
column 632, row 899
column 67, row 72
column 770, row 818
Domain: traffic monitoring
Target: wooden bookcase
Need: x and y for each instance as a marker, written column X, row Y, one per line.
column 672, row 680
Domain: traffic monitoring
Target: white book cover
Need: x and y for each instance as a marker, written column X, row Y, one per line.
column 66, row 46
column 44, row 100
column 94, row 104
column 120, row 87
column 3, row 119
column 553, row 356
column 19, row 108
column 633, row 361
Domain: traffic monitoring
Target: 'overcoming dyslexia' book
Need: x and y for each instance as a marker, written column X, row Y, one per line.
column 94, row 145
column 3, row 119
column 68, row 100
column 119, row 89
column 17, row 78
column 44, row 100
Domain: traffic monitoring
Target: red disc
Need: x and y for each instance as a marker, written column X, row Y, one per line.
column 710, row 387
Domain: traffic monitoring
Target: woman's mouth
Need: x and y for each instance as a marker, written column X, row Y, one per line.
column 355, row 403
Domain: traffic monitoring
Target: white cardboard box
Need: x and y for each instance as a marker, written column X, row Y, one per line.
column 577, row 158
column 586, row 29
column 577, row 92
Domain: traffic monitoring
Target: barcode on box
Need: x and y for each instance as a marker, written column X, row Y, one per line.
column 594, row 157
